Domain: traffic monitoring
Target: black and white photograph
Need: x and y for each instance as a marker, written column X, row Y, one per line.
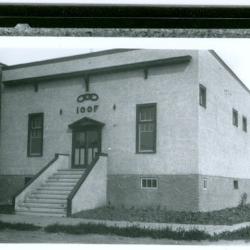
column 124, row 141
column 126, row 128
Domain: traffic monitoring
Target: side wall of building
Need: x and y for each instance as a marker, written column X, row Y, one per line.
column 172, row 87
column 223, row 148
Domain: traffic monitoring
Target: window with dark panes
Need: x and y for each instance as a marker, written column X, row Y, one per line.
column 244, row 123
column 203, row 96
column 35, row 135
column 149, row 183
column 146, row 128
column 235, row 117
column 236, row 184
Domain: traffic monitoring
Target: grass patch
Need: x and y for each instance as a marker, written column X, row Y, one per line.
column 133, row 231
column 18, row 226
column 6, row 209
column 240, row 234
column 136, row 232
column 227, row 216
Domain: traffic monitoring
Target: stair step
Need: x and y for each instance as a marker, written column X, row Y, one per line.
column 41, row 209
column 49, row 196
column 70, row 171
column 57, row 183
column 57, row 188
column 23, row 212
column 43, row 204
column 67, row 176
column 52, row 191
column 45, row 200
column 68, row 180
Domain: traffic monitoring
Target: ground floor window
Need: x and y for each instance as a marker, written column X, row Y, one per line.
column 203, row 96
column 244, row 123
column 149, row 182
column 236, row 184
column 235, row 118
column 35, row 134
column 146, row 128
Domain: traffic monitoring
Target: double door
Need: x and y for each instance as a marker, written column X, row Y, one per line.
column 86, row 144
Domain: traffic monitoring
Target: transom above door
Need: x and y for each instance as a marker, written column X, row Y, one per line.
column 86, row 141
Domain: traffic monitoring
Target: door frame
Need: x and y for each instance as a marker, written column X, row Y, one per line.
column 85, row 130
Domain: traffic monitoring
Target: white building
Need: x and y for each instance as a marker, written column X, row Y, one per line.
column 169, row 129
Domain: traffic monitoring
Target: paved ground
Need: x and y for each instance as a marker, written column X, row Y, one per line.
column 13, row 236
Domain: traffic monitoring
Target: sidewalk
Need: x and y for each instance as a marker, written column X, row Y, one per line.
column 45, row 221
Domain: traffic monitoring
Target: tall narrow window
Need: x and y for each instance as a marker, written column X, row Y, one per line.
column 146, row 128
column 203, row 96
column 235, row 117
column 35, row 135
column 244, row 123
column 236, row 184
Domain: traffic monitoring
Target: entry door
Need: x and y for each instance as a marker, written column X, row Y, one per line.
column 85, row 146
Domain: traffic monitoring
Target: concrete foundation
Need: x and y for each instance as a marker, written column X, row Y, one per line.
column 174, row 192
column 9, row 186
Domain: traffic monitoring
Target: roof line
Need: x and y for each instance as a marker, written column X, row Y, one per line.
column 130, row 66
column 66, row 58
column 220, row 60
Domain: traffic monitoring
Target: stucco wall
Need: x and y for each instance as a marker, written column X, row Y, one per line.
column 224, row 150
column 172, row 87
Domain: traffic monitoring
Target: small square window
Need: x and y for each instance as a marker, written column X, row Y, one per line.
column 149, row 183
column 203, row 96
column 236, row 184
column 235, row 118
column 244, row 123
column 205, row 184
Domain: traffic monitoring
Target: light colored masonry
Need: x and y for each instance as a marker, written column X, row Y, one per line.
column 201, row 160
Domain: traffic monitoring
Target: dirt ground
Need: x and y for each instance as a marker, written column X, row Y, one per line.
column 13, row 236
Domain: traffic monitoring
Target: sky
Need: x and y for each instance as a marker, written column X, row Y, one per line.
column 16, row 50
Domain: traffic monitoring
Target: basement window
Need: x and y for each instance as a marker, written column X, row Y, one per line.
column 236, row 184
column 149, row 183
column 204, row 183
column 244, row 123
column 235, row 118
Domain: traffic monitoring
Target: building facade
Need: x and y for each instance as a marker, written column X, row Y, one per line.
column 173, row 124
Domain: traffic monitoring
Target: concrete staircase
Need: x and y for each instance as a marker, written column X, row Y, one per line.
column 50, row 199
